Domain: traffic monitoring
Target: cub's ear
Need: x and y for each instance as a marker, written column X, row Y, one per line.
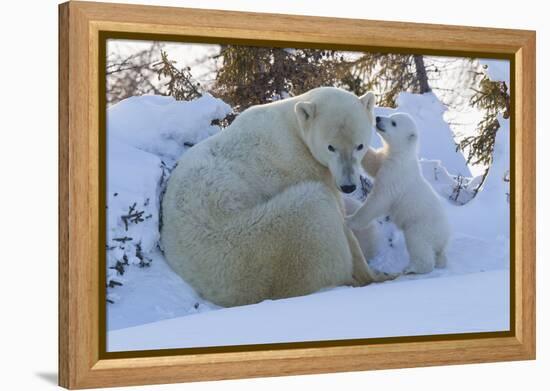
column 368, row 100
column 305, row 112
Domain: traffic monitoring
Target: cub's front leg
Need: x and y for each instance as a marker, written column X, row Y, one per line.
column 375, row 206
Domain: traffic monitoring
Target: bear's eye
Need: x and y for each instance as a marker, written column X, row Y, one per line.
column 331, row 148
column 393, row 123
column 360, row 147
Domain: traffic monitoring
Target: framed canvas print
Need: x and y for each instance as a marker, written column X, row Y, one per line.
column 248, row 195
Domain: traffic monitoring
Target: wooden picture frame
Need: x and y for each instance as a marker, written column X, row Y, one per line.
column 82, row 361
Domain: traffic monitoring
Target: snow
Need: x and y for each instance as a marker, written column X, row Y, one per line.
column 162, row 126
column 446, row 184
column 345, row 313
column 146, row 135
column 453, row 81
column 436, row 137
column 125, row 189
column 153, row 293
column 488, row 214
column 156, row 309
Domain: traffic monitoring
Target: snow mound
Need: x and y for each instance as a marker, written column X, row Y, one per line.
column 488, row 214
column 152, row 293
column 472, row 303
column 436, row 140
column 127, row 187
column 455, row 188
column 146, row 136
column 164, row 126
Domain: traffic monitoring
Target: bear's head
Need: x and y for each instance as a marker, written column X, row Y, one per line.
column 336, row 126
column 398, row 131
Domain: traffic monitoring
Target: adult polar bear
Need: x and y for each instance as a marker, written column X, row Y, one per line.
column 255, row 212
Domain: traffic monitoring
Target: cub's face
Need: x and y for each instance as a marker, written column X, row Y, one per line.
column 398, row 131
column 338, row 135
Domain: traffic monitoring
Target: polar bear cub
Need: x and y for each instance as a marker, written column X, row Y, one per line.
column 401, row 192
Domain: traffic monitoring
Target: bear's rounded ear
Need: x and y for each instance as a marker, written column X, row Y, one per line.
column 305, row 111
column 368, row 100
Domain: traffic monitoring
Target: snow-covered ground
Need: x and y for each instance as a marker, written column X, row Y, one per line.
column 467, row 303
column 151, row 307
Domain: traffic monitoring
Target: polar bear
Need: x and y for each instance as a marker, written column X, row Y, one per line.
column 369, row 237
column 255, row 212
column 401, row 192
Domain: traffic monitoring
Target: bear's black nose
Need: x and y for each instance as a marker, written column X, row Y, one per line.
column 378, row 119
column 348, row 188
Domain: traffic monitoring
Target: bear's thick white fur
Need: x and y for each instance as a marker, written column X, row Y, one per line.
column 401, row 192
column 255, row 213
column 368, row 236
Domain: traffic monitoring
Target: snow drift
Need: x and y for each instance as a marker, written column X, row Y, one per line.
column 436, row 137
column 163, row 126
